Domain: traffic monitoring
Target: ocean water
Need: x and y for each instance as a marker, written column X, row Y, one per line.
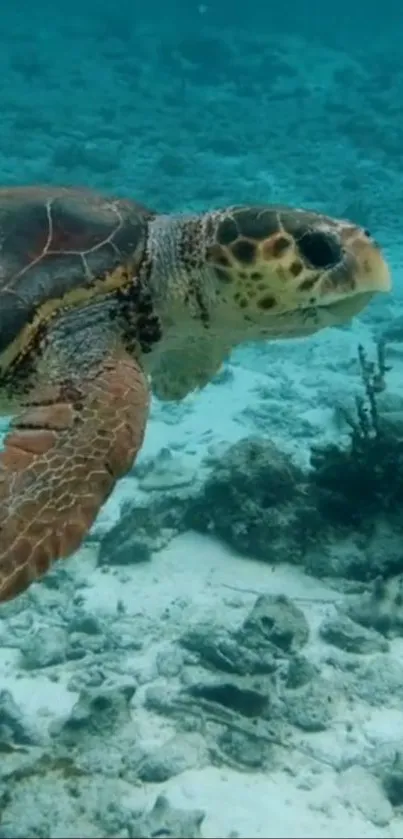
column 223, row 655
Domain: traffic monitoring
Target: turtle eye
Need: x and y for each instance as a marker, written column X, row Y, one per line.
column 320, row 249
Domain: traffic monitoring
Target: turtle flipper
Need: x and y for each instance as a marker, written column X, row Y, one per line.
column 62, row 458
column 187, row 367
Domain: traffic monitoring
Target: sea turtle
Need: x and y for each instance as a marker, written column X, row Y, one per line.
column 100, row 295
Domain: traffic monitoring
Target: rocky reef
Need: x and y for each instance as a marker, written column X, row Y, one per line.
column 340, row 516
column 243, row 695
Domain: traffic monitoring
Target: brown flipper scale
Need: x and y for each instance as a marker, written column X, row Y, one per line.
column 62, row 458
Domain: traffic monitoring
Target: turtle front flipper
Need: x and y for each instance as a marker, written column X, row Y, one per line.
column 62, row 458
column 186, row 367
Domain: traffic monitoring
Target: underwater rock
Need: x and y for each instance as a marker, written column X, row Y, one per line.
column 344, row 633
column 276, row 619
column 309, row 707
column 53, row 796
column 361, row 791
column 114, row 550
column 181, row 752
column 248, row 701
column 81, row 645
column 161, row 699
column 165, row 820
column 252, row 501
column 142, row 529
column 92, row 674
column 300, row 671
column 232, row 714
column 381, row 607
column 98, row 711
column 218, row 649
column 166, row 472
column 393, row 781
column 337, row 557
column 13, row 728
column 169, row 662
column 85, row 623
column 90, row 634
column 42, row 648
column 379, row 681
column 239, row 750
column 18, row 763
column 358, row 555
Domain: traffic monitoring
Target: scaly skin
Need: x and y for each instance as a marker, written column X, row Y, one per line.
column 61, row 460
column 251, row 273
column 256, row 268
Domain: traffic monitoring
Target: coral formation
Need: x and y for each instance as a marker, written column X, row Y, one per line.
column 252, row 500
column 258, row 500
column 356, row 484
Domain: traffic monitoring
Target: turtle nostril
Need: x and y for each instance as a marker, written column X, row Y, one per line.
column 320, row 249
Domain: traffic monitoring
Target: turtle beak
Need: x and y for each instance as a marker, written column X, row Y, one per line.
column 371, row 271
column 362, row 273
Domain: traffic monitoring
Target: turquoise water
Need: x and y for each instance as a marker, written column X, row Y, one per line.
column 223, row 655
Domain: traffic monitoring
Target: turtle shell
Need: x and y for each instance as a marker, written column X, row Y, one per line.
column 60, row 247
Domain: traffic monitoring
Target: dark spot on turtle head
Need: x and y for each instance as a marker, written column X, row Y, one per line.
column 256, row 222
column 217, row 255
column 256, row 275
column 222, row 259
column 267, row 302
column 320, row 248
column 227, row 231
column 307, row 284
column 296, row 268
column 223, row 275
column 280, row 245
column 244, row 251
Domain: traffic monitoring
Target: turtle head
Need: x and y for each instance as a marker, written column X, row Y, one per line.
column 293, row 272
column 264, row 271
